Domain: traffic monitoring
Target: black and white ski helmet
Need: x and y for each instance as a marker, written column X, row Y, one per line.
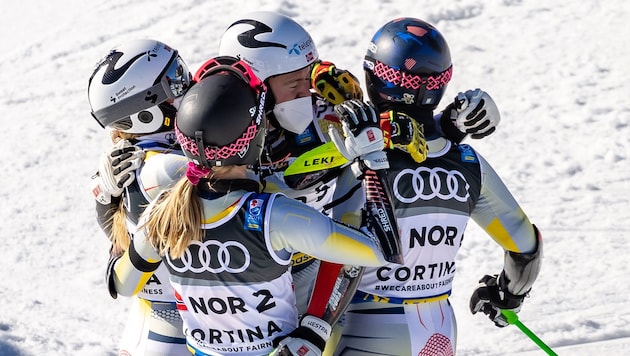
column 221, row 119
column 408, row 62
column 132, row 87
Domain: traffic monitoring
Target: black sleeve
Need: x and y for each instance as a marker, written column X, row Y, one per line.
column 109, row 275
column 105, row 213
column 448, row 127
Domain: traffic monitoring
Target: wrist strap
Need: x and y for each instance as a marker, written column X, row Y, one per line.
column 320, row 327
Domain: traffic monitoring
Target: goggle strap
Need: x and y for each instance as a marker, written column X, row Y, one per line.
column 224, row 63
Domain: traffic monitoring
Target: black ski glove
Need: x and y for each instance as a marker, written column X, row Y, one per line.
column 363, row 136
column 308, row 339
column 473, row 112
column 491, row 296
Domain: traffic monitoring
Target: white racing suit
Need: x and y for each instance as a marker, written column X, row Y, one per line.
column 154, row 326
column 404, row 310
column 234, row 287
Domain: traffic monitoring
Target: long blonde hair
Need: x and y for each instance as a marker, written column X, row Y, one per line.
column 176, row 218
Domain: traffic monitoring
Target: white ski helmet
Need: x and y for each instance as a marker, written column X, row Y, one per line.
column 129, row 87
column 270, row 43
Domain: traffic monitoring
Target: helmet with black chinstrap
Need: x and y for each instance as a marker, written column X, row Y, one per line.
column 221, row 118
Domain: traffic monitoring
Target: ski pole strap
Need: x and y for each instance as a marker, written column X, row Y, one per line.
column 341, row 199
column 363, row 297
column 512, row 318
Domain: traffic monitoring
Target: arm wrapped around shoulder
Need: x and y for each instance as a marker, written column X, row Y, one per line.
column 508, row 290
column 134, row 268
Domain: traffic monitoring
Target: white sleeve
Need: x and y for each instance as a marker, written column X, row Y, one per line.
column 500, row 215
column 161, row 171
column 295, row 226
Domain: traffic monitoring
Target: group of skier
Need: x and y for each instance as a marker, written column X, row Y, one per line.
column 228, row 250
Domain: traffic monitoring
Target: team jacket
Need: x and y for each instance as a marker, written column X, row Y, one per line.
column 433, row 202
column 235, row 286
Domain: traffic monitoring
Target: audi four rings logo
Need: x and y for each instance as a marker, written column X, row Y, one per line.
column 212, row 256
column 428, row 183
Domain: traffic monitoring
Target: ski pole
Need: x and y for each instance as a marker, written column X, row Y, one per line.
column 512, row 318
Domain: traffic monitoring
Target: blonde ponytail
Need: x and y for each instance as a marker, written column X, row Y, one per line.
column 175, row 220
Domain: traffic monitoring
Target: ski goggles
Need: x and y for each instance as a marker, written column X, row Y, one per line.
column 171, row 84
column 406, row 80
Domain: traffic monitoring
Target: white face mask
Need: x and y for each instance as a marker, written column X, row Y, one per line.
column 295, row 115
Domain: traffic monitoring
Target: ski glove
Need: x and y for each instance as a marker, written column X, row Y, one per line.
column 333, row 84
column 116, row 171
column 363, row 136
column 491, row 296
column 402, row 132
column 308, row 339
column 473, row 112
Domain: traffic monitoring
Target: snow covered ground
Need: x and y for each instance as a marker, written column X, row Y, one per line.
column 558, row 71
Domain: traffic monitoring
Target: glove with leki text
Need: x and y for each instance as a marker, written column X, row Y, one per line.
column 492, row 296
column 334, row 84
column 473, row 112
column 402, row 132
column 363, row 135
column 116, row 171
column 308, row 339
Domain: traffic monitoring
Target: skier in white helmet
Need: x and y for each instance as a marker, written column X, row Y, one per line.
column 134, row 92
